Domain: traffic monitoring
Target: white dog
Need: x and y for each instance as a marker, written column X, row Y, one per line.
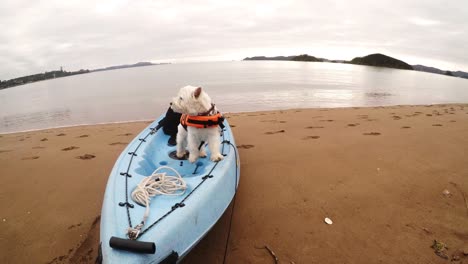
column 200, row 123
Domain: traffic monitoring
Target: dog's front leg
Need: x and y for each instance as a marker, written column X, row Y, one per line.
column 181, row 141
column 192, row 145
column 214, row 145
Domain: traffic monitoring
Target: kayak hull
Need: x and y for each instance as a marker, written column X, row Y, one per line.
column 176, row 223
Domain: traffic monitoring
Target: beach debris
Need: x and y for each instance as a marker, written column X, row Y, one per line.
column 271, row 253
column 446, row 193
column 440, row 249
column 465, row 251
column 427, row 231
column 457, row 255
column 4, row 219
column 328, row 221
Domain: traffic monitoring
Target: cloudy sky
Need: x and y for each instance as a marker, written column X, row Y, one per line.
column 38, row 36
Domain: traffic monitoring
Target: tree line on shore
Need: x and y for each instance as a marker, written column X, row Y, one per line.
column 38, row 77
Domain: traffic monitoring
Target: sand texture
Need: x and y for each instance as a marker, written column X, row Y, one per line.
column 392, row 180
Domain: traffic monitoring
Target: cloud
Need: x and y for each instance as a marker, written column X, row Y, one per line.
column 40, row 36
column 423, row 21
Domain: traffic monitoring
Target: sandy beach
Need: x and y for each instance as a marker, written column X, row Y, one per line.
column 392, row 180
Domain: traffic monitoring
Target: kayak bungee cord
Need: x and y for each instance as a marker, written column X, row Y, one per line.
column 156, row 184
column 135, row 232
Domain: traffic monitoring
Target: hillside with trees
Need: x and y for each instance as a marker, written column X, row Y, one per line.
column 381, row 60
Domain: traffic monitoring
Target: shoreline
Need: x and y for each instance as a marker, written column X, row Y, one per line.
column 243, row 112
column 380, row 173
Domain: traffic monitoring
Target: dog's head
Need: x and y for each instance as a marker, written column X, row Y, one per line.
column 191, row 100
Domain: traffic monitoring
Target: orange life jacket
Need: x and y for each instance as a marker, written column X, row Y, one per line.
column 202, row 121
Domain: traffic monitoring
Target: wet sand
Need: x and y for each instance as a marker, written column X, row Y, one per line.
column 392, row 180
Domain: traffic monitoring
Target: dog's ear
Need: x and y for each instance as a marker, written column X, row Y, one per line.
column 197, row 92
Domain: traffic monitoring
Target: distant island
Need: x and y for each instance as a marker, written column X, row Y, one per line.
column 377, row 59
column 139, row 64
column 381, row 60
column 61, row 73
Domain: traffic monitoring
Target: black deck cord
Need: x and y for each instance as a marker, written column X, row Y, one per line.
column 127, row 204
column 204, row 178
column 233, row 203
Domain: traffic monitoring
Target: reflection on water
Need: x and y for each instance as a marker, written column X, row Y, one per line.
column 144, row 93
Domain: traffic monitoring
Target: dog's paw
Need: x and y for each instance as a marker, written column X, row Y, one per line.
column 192, row 158
column 181, row 155
column 216, row 157
column 202, row 154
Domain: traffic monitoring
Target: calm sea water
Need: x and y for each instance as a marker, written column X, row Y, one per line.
column 144, row 93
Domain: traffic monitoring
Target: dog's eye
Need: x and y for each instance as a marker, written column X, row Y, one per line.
column 180, row 98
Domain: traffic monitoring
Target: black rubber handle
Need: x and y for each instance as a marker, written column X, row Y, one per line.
column 132, row 245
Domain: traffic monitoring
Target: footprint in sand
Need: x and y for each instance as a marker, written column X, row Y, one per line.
column 275, row 132
column 372, row 134
column 38, row 147
column 4, row 151
column 44, row 139
column 232, row 126
column 452, row 121
column 405, row 127
column 312, row 127
column 30, row 158
column 353, row 125
column 83, row 136
column 118, row 143
column 436, row 125
column 311, row 137
column 428, row 115
column 70, row 148
column 61, row 135
column 395, row 117
column 327, row 120
column 126, row 134
column 86, row 157
column 245, row 146
column 73, row 226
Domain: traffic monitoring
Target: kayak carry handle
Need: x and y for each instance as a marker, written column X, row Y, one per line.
column 132, row 245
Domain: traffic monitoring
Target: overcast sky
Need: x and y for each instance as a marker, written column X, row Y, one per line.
column 38, row 36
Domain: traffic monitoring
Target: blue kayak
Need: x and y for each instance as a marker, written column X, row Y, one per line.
column 175, row 223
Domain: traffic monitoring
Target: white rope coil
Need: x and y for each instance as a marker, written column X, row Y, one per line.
column 157, row 184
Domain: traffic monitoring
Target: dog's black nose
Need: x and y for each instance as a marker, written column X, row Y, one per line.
column 170, row 103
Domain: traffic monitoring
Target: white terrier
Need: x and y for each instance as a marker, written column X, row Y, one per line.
column 200, row 123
